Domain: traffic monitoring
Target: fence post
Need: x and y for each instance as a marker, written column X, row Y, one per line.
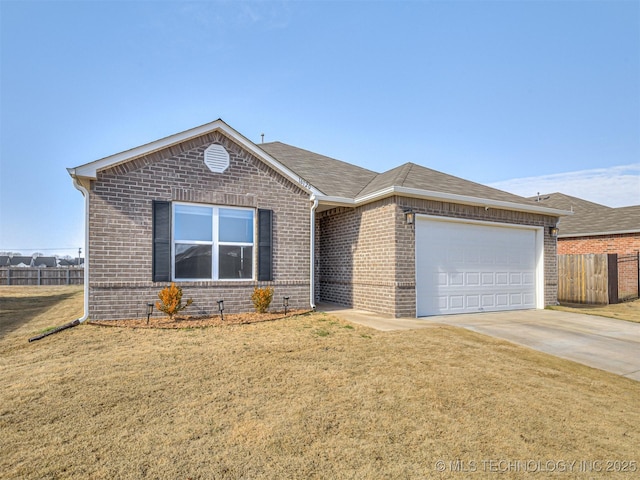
column 68, row 276
column 612, row 267
column 8, row 276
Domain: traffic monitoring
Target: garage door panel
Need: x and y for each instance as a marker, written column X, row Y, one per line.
column 488, row 279
column 502, row 300
column 473, row 278
column 473, row 301
column 515, row 278
column 488, row 301
column 462, row 267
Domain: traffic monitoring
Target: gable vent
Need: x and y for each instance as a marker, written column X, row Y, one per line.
column 216, row 158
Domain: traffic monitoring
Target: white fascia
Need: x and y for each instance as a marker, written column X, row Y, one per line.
column 440, row 196
column 91, row 169
column 597, row 234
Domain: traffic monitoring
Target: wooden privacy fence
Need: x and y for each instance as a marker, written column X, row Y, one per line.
column 41, row 276
column 597, row 278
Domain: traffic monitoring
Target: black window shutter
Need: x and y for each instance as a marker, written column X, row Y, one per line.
column 265, row 245
column 161, row 241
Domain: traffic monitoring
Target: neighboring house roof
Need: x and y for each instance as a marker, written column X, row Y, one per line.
column 20, row 261
column 334, row 182
column 591, row 219
column 63, row 262
column 47, row 262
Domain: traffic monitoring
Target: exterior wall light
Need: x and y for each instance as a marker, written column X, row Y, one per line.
column 553, row 231
column 285, row 304
column 221, row 308
column 409, row 216
column 149, row 311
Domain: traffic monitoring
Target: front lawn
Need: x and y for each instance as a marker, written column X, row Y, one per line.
column 305, row 397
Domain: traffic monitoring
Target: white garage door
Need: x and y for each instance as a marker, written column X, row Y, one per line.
column 469, row 267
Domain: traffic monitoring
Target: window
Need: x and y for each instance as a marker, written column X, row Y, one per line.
column 212, row 243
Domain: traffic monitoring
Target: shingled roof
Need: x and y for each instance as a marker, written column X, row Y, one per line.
column 333, row 177
column 415, row 176
column 340, row 179
column 332, row 182
column 591, row 219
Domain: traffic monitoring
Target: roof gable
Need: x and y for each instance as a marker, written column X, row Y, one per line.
column 91, row 169
column 415, row 176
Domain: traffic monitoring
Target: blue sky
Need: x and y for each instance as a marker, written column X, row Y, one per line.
column 525, row 95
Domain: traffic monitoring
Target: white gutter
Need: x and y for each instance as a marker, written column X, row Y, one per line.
column 312, row 263
column 85, row 194
column 85, row 315
column 597, row 234
column 440, row 196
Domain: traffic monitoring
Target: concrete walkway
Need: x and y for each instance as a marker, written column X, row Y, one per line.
column 604, row 343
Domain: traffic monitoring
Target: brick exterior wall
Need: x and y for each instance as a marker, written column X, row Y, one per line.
column 357, row 256
column 626, row 245
column 371, row 263
column 120, row 228
column 621, row 244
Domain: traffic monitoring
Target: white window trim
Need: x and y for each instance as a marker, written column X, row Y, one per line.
column 214, row 244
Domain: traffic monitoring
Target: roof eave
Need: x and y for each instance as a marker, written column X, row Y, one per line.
column 597, row 234
column 455, row 198
column 334, row 201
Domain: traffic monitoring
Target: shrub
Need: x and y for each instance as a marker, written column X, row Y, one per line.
column 171, row 300
column 261, row 298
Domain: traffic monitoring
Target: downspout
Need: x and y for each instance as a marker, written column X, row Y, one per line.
column 84, row 317
column 312, row 279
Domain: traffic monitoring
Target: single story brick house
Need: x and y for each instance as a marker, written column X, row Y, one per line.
column 218, row 214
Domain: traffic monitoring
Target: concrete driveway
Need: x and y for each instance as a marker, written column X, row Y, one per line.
column 604, row 343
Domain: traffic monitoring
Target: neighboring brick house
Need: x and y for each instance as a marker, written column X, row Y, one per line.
column 595, row 228
column 218, row 214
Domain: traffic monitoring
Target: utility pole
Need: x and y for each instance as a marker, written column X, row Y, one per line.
column 79, row 253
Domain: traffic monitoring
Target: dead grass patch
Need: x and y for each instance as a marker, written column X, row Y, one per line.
column 303, row 397
column 629, row 311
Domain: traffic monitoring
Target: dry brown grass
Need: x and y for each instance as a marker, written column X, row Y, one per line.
column 305, row 397
column 622, row 311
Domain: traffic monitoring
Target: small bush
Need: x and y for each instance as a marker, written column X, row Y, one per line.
column 261, row 298
column 171, row 300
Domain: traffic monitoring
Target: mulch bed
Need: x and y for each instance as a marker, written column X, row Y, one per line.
column 182, row 321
